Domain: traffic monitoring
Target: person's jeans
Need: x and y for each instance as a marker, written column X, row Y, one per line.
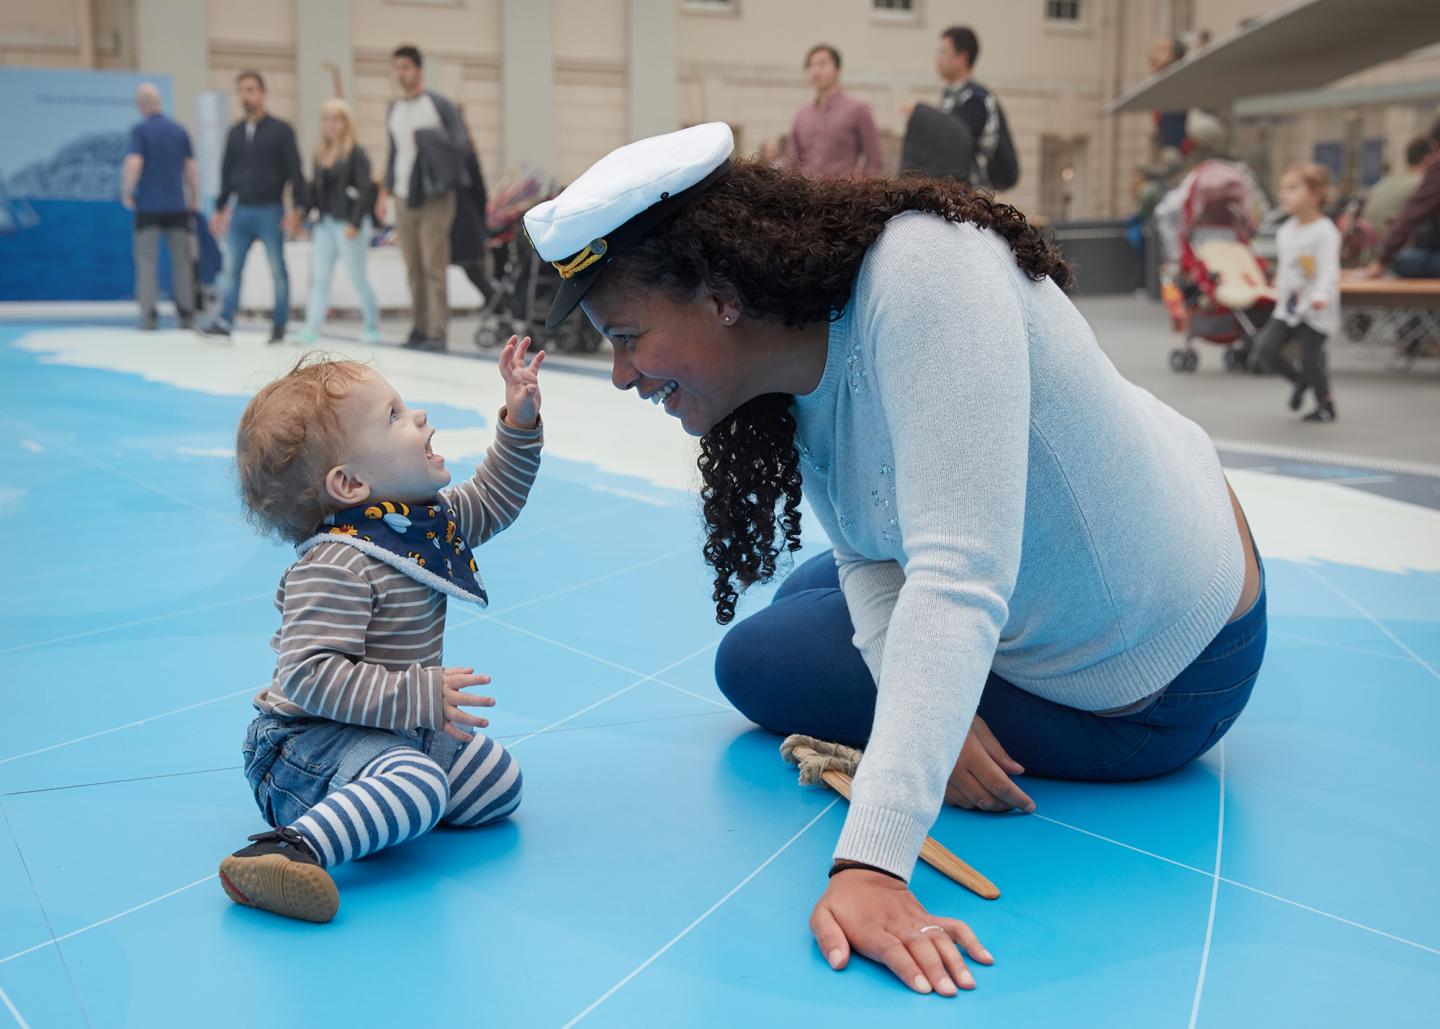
column 249, row 222
column 328, row 241
column 1415, row 263
column 176, row 230
column 793, row 667
column 424, row 233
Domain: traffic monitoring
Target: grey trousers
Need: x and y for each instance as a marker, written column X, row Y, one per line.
column 424, row 233
column 182, row 269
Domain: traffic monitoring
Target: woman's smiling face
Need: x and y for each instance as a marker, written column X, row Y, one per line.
column 688, row 355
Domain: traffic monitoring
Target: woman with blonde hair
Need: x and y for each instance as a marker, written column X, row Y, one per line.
column 342, row 194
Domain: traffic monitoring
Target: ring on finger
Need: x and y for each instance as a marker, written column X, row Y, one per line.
column 927, row 928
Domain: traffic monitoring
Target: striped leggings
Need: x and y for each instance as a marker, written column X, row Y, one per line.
column 404, row 793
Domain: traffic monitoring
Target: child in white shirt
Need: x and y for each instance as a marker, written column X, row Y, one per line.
column 1307, row 289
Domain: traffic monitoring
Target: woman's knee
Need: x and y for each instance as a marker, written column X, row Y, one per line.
column 742, row 668
column 792, row 667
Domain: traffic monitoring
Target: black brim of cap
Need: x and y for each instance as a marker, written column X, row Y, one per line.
column 571, row 292
column 573, row 289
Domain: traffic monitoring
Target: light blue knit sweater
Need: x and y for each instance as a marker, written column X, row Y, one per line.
column 998, row 496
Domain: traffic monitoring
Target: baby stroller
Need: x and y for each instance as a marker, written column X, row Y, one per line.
column 525, row 285
column 1221, row 292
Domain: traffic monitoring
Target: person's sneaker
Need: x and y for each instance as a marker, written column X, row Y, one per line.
column 370, row 336
column 306, row 337
column 149, row 324
column 279, row 873
column 1297, row 397
column 1324, row 413
column 216, row 330
column 187, row 322
column 416, row 336
column 277, row 334
column 427, row 345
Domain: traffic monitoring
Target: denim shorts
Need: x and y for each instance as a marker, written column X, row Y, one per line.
column 292, row 764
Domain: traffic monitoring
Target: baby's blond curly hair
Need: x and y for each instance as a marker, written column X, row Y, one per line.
column 289, row 438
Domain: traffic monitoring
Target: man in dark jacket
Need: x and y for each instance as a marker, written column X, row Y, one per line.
column 967, row 100
column 260, row 158
column 427, row 164
column 1417, row 224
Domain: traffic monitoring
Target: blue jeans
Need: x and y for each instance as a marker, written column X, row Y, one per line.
column 292, row 764
column 328, row 242
column 1414, row 263
column 247, row 224
column 793, row 668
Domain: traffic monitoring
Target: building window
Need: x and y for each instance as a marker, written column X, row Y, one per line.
column 905, row 13
column 1062, row 10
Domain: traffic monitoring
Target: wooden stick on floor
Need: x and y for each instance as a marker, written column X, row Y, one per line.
column 932, row 853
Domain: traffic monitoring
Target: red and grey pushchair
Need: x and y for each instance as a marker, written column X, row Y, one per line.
column 524, row 284
column 1220, row 292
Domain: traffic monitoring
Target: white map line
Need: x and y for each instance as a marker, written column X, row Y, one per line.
column 10, row 1005
column 1214, row 896
column 1280, row 634
column 708, row 912
column 138, row 621
column 135, row 724
column 1373, row 621
column 606, row 661
column 605, row 700
column 105, row 921
column 1239, row 885
column 512, row 746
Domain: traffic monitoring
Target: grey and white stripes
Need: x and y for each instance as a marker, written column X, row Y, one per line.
column 361, row 642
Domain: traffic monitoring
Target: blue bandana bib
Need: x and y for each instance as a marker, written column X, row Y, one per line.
column 421, row 540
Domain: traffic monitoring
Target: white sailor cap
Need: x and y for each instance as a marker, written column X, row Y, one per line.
column 615, row 204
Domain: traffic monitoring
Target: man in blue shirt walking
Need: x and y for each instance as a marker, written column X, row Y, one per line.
column 160, row 183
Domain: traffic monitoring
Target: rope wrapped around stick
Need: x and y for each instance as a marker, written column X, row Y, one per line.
column 815, row 757
column 834, row 765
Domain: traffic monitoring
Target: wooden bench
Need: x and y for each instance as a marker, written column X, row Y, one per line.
column 1402, row 315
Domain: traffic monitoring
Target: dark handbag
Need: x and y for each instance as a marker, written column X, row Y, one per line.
column 937, row 144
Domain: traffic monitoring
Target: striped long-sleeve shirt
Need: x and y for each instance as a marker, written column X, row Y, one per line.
column 360, row 641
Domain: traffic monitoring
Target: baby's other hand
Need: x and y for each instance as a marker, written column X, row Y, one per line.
column 456, row 680
column 522, row 383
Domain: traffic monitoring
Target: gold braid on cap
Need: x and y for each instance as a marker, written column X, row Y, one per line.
column 584, row 259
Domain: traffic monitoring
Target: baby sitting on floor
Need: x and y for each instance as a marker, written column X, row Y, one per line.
column 361, row 741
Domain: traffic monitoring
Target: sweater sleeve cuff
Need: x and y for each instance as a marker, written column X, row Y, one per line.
column 430, row 683
column 878, row 836
column 530, row 435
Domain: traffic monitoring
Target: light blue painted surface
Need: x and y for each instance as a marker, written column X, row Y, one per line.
column 125, row 687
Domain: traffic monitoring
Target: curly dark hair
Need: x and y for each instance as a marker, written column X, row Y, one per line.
column 788, row 248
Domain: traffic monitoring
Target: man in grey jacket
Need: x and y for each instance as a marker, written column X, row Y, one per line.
column 426, row 166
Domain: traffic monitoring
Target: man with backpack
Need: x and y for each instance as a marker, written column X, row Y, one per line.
column 994, row 165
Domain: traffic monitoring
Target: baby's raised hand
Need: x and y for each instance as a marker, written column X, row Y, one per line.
column 456, row 679
column 522, row 383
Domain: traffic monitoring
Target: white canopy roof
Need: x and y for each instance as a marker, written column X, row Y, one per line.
column 1304, row 46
